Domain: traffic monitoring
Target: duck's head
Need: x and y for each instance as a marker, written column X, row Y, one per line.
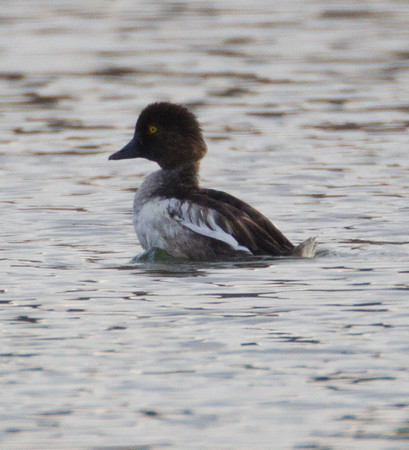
column 168, row 134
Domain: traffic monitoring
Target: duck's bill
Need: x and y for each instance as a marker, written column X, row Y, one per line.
column 129, row 151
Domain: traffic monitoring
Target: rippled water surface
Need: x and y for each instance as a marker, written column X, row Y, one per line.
column 305, row 107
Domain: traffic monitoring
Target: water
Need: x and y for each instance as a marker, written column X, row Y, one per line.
column 305, row 109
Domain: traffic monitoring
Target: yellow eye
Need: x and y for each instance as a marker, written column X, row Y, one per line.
column 152, row 129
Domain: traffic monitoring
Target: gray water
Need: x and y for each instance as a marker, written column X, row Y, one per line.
column 305, row 108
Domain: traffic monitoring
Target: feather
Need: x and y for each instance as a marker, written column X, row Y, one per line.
column 203, row 221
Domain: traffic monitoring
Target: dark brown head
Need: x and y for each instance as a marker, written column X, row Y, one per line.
column 168, row 134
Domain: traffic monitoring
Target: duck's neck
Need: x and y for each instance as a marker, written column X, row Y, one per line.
column 181, row 181
column 186, row 176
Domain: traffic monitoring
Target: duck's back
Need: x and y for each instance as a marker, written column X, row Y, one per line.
column 248, row 226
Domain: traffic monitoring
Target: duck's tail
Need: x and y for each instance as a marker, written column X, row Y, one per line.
column 306, row 249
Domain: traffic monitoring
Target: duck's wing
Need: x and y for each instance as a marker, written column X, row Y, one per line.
column 268, row 238
column 207, row 222
column 225, row 218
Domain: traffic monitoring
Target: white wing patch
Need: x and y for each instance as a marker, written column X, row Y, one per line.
column 202, row 220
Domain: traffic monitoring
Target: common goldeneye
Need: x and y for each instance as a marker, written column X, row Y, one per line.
column 171, row 212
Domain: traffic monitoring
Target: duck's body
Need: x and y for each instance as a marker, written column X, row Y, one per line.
column 171, row 212
column 200, row 224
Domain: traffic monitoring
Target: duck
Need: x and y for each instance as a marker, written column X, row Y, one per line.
column 172, row 213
